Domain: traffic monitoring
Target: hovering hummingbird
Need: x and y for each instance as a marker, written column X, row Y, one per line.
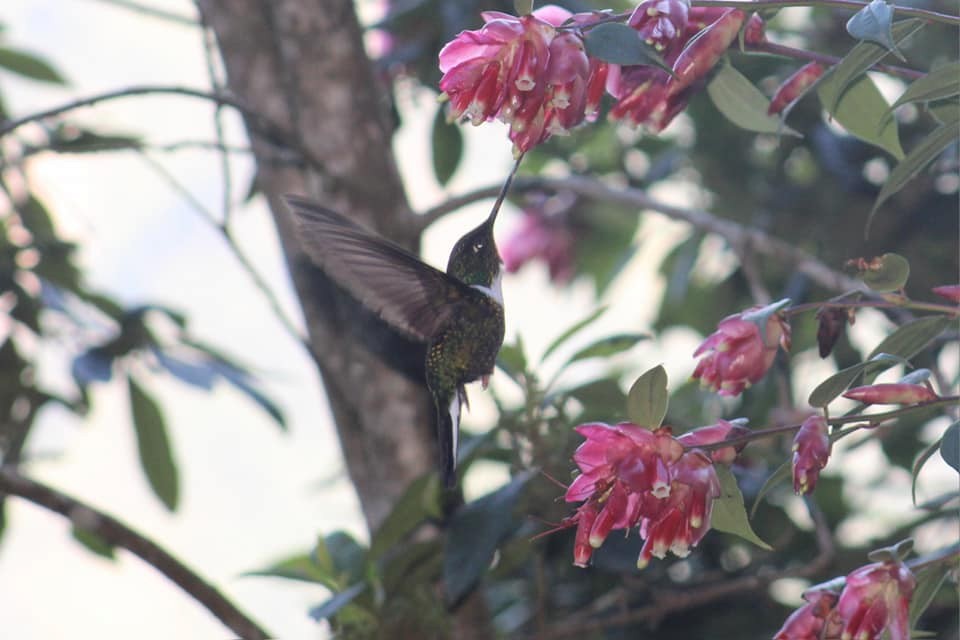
column 457, row 315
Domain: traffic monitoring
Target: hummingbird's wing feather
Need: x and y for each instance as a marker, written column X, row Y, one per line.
column 406, row 292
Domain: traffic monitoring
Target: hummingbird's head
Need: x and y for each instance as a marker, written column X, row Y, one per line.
column 475, row 259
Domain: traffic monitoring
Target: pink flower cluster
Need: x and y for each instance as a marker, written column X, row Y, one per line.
column 737, row 355
column 875, row 598
column 533, row 73
column 540, row 236
column 631, row 476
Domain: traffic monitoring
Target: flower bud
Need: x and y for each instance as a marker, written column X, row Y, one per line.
column 831, row 323
column 811, row 450
column 807, row 622
column 950, row 292
column 704, row 51
column 794, row 86
column 891, row 393
column 754, row 32
column 660, row 23
column 876, row 597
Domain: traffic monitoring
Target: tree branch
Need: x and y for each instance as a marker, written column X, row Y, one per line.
column 735, row 234
column 852, row 5
column 115, row 533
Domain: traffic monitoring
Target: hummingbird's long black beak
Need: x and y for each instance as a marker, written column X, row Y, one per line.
column 492, row 218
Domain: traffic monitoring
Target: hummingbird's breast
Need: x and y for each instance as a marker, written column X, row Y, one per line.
column 468, row 348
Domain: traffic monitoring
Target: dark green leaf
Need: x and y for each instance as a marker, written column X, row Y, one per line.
column 447, row 146
column 512, row 359
column 299, row 567
column 918, row 465
column 523, row 7
column 601, row 399
column 873, row 23
column 337, row 602
column 782, row 473
column 619, row 44
column 153, row 445
column 929, row 581
column 950, row 446
column 609, row 346
column 94, row 542
column 891, row 275
column 29, row 66
column 476, row 530
column 942, row 82
column 928, row 150
column 244, row 382
column 648, row 398
column 863, row 56
column 861, row 111
column 742, row 103
column 559, row 340
column 72, row 140
column 729, row 514
column 909, row 340
column 420, row 501
column 832, row 387
column 945, row 112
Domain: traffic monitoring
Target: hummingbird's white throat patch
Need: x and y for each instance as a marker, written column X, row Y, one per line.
column 495, row 290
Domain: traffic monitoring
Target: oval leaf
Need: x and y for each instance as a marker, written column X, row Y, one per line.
column 559, row 340
column 891, row 274
column 609, row 346
column 742, row 103
column 619, row 44
column 873, row 23
column 929, row 581
column 950, row 446
column 153, row 445
column 832, row 387
column 909, row 339
column 523, row 7
column 648, row 398
column 29, row 66
column 942, row 82
column 447, row 147
column 928, row 150
column 729, row 514
column 861, row 110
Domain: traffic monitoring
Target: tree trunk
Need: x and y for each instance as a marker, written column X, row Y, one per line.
column 301, row 64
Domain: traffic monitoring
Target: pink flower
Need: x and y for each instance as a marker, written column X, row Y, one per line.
column 808, row 622
column 522, row 71
column 754, row 31
column 660, row 23
column 544, row 237
column 737, row 355
column 811, row 450
column 703, row 52
column 950, row 292
column 877, row 598
column 634, row 477
column 891, row 393
column 794, row 86
column 713, row 434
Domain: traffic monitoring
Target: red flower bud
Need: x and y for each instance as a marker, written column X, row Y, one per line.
column 891, row 393
column 950, row 292
column 704, row 51
column 713, row 434
column 807, row 622
column 794, row 86
column 660, row 23
column 755, row 30
column 811, row 450
column 877, row 598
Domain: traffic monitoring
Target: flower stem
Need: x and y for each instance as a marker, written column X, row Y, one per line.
column 874, row 304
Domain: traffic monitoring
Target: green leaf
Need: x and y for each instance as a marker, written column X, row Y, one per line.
column 601, row 399
column 420, row 501
column 153, row 445
column 743, row 104
column 918, row 465
column 648, row 398
column 729, row 513
column 783, row 472
column 447, row 147
column 825, row 392
column 942, row 82
column 891, row 275
column 29, row 66
column 873, row 23
column 861, row 58
column 619, row 44
column 929, row 581
column 861, row 110
column 950, row 446
column 928, row 150
column 609, row 346
column 563, row 337
column 909, row 340
column 301, row 567
column 94, row 542
column 476, row 530
column 523, row 7
column 337, row 602
column 945, row 112
column 512, row 359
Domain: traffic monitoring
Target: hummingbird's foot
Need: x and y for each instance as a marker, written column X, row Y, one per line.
column 485, row 381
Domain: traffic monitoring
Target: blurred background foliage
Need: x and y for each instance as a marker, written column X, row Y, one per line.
column 816, row 192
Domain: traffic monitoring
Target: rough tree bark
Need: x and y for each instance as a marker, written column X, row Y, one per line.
column 301, row 63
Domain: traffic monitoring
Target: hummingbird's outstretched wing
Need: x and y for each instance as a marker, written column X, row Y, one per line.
column 407, row 293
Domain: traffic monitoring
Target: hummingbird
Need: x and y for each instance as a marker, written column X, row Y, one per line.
column 457, row 315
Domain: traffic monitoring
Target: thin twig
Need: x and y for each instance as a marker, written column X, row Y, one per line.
column 734, row 233
column 783, row 50
column 153, row 12
column 115, row 533
column 209, row 56
column 853, row 5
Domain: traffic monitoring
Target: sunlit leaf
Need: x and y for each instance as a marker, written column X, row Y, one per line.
column 742, row 103
column 648, row 398
column 447, row 147
column 619, row 44
column 873, row 23
column 153, row 446
column 729, row 513
column 861, row 110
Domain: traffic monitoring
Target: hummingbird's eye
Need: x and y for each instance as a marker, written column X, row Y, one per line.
column 477, row 247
